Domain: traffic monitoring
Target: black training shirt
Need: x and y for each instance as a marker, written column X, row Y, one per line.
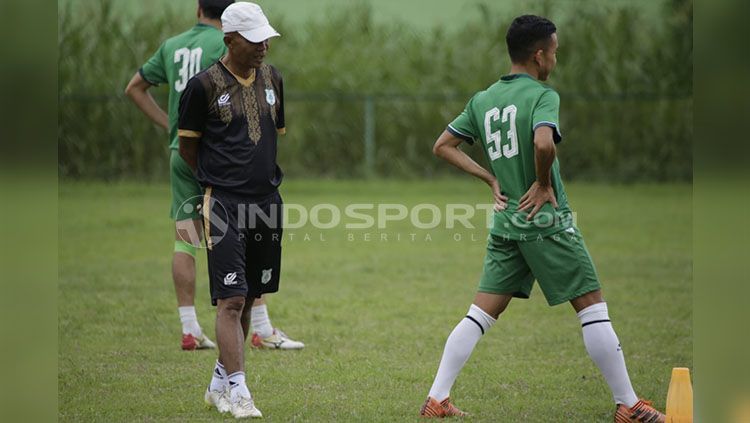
column 237, row 121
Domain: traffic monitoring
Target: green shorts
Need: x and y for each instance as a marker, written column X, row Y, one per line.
column 186, row 192
column 560, row 263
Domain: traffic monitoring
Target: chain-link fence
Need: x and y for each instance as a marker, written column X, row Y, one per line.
column 368, row 99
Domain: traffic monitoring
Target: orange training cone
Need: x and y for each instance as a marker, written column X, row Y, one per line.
column 680, row 397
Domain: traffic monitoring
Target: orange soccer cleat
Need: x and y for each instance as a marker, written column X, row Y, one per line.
column 642, row 412
column 433, row 408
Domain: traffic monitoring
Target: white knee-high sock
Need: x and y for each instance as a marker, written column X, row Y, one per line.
column 260, row 321
column 458, row 348
column 604, row 348
column 189, row 321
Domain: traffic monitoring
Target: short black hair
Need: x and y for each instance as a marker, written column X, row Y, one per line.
column 525, row 34
column 212, row 9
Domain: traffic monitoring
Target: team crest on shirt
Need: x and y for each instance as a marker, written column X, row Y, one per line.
column 266, row 277
column 270, row 97
column 224, row 99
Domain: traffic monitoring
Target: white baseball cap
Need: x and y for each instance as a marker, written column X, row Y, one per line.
column 247, row 19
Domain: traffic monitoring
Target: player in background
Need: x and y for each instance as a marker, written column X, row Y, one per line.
column 516, row 122
column 176, row 61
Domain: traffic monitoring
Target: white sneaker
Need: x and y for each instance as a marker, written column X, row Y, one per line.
column 243, row 407
column 278, row 341
column 218, row 399
column 190, row 342
column 205, row 343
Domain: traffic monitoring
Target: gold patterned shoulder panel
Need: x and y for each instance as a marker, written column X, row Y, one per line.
column 250, row 105
column 220, row 84
column 265, row 71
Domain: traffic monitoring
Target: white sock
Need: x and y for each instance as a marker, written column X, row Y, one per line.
column 237, row 386
column 219, row 379
column 189, row 321
column 458, row 348
column 260, row 321
column 604, row 348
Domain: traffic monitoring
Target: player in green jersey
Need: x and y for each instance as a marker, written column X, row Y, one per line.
column 176, row 61
column 516, row 123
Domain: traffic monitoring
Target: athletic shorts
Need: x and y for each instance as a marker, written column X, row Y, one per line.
column 243, row 240
column 560, row 263
column 186, row 192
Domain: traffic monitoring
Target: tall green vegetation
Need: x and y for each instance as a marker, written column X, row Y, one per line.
column 625, row 80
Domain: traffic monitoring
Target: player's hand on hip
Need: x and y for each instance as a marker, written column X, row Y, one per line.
column 501, row 201
column 535, row 198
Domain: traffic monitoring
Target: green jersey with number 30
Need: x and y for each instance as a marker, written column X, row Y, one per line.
column 503, row 119
column 177, row 60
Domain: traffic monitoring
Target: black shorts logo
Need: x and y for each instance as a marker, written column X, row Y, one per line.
column 266, row 277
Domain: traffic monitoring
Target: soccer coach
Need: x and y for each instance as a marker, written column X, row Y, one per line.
column 229, row 118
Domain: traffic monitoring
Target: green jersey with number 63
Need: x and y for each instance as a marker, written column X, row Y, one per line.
column 502, row 119
column 179, row 59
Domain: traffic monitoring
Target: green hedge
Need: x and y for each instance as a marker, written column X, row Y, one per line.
column 625, row 81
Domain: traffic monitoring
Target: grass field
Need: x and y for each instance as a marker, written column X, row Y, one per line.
column 443, row 13
column 374, row 314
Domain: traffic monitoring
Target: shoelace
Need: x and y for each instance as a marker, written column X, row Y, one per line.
column 246, row 402
column 242, row 400
column 433, row 412
column 449, row 407
column 643, row 414
column 281, row 334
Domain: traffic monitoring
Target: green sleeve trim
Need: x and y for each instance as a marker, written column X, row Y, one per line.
column 143, row 75
column 458, row 134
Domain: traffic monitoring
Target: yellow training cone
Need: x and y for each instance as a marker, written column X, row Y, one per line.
column 680, row 397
